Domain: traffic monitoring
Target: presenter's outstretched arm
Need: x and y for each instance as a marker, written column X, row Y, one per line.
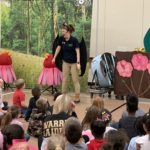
column 56, row 53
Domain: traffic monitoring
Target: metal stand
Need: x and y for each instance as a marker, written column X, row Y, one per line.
column 95, row 87
column 7, row 86
column 50, row 89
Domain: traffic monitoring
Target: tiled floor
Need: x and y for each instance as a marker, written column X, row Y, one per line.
column 110, row 104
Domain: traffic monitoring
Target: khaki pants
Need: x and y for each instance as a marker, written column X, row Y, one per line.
column 67, row 68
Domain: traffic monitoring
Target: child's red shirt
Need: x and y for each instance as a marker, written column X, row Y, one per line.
column 18, row 97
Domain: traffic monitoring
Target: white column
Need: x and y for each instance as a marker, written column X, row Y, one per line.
column 118, row 25
column 97, row 27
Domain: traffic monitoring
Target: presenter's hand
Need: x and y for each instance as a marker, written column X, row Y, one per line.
column 78, row 66
column 53, row 60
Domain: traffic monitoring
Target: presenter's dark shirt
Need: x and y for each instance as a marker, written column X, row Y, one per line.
column 69, row 49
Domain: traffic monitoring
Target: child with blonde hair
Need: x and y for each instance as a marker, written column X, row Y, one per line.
column 98, row 102
column 53, row 124
column 64, row 103
column 56, row 142
column 61, row 112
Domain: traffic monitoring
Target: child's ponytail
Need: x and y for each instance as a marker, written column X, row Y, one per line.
column 6, row 120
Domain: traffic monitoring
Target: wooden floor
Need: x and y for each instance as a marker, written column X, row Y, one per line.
column 110, row 104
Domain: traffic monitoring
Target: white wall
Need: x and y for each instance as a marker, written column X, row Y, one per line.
column 118, row 25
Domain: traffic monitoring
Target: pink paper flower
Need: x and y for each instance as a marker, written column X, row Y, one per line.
column 124, row 68
column 139, row 62
column 148, row 67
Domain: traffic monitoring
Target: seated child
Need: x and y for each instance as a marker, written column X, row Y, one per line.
column 104, row 115
column 54, row 123
column 140, row 132
column 98, row 128
column 55, row 142
column 13, row 134
column 36, row 92
column 73, row 134
column 127, row 123
column 116, row 139
column 19, row 96
column 11, row 117
column 37, row 116
column 143, row 142
column 90, row 116
column 133, row 100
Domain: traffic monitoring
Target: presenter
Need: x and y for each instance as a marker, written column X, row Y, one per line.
column 69, row 47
